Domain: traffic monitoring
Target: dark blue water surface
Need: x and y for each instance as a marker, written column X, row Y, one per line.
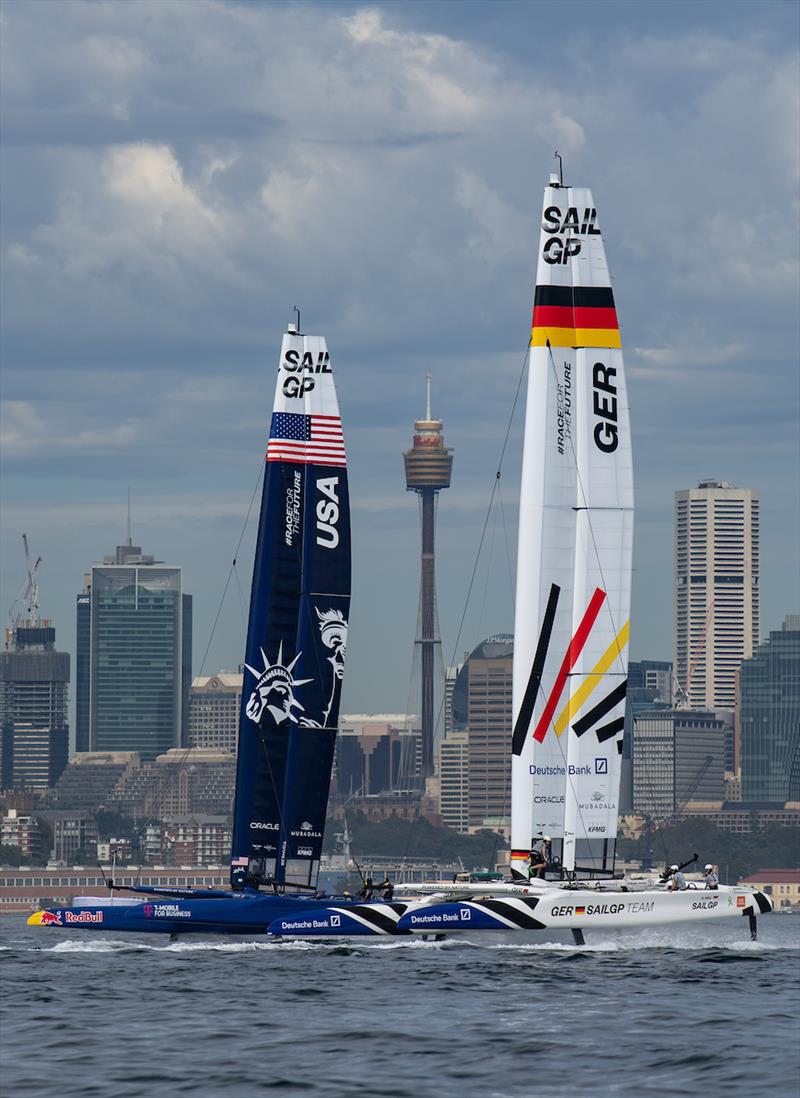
column 690, row 1011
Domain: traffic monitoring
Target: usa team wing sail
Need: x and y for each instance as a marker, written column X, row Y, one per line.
column 297, row 633
column 575, row 544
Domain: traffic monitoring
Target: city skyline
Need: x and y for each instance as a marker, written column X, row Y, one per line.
column 165, row 218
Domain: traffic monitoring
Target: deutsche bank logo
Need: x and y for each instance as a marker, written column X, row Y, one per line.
column 601, row 766
column 466, row 914
column 336, row 920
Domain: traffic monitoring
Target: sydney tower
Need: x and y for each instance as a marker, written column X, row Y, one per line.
column 428, row 466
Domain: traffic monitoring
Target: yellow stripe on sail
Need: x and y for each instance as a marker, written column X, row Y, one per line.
column 575, row 337
column 593, row 678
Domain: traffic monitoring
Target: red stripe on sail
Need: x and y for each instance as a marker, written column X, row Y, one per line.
column 570, row 659
column 567, row 316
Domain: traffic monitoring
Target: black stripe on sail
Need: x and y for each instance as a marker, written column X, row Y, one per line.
column 619, row 747
column 512, row 912
column 600, row 710
column 607, row 731
column 582, row 297
column 525, row 714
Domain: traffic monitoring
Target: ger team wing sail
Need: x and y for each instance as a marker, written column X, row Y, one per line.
column 297, row 633
column 575, row 544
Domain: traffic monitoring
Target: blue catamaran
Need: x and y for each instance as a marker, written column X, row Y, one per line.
column 294, row 665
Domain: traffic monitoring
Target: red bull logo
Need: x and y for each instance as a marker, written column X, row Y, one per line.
column 83, row 917
column 50, row 918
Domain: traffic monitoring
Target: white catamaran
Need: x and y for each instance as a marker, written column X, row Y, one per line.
column 572, row 629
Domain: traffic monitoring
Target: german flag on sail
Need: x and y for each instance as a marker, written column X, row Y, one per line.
column 574, row 316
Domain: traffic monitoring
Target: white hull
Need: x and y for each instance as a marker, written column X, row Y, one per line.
column 559, row 908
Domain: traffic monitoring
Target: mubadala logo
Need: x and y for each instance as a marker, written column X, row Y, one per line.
column 306, row 831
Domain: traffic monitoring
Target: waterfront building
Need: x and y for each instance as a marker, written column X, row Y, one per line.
column 74, row 837
column 22, row 832
column 783, row 885
column 178, row 783
column 678, row 759
column 214, row 703
column 91, row 779
column 196, row 840
column 769, row 717
column 482, row 707
column 133, row 657
column 454, row 781
column 717, row 593
column 34, row 732
column 377, row 753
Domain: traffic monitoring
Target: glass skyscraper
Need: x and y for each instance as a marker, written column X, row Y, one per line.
column 133, row 656
column 769, row 717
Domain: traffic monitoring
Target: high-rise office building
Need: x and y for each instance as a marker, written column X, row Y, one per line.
column 769, row 717
column 133, row 656
column 482, row 707
column 34, row 734
column 377, row 753
column 678, row 758
column 214, row 703
column 454, row 781
column 717, row 553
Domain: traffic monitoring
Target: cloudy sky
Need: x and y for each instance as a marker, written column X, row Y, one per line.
column 177, row 175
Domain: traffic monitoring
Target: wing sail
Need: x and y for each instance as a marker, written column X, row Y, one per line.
column 297, row 633
column 575, row 543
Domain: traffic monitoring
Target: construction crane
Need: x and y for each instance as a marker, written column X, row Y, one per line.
column 682, row 692
column 25, row 606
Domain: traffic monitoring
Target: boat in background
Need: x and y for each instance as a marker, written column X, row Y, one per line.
column 294, row 659
column 572, row 629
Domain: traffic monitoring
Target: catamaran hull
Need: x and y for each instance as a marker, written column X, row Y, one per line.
column 555, row 909
column 237, row 915
column 559, row 909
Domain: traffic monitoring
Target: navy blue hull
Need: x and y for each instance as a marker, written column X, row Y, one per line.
column 236, row 914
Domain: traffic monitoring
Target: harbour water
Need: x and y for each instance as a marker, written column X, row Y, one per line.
column 648, row 1013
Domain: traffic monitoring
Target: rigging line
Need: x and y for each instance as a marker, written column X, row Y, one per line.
column 495, row 484
column 511, row 579
column 173, row 777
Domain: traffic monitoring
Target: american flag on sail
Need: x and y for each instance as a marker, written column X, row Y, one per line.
column 306, row 439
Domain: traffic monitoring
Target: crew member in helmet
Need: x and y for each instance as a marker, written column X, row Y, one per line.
column 677, row 881
column 711, row 876
column 541, row 857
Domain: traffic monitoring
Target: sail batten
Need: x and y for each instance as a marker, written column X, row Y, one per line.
column 576, row 531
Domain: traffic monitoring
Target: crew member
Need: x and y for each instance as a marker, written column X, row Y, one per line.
column 541, row 858
column 711, row 876
column 387, row 889
column 368, row 891
column 677, row 881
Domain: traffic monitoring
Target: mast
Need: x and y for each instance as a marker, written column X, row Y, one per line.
column 575, row 544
